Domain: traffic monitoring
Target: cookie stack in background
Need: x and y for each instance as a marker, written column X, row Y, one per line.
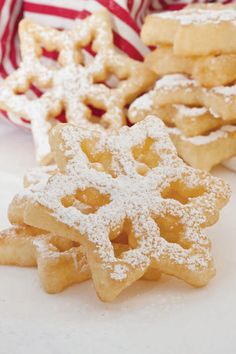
column 195, row 96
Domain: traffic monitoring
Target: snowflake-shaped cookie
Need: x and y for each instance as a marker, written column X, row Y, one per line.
column 72, row 85
column 130, row 180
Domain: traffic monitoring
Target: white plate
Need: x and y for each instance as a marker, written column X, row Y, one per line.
column 166, row 317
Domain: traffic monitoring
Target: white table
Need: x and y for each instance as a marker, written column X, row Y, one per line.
column 163, row 317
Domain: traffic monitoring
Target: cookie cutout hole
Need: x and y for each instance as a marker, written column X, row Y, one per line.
column 49, row 59
column 142, row 169
column 180, row 192
column 61, row 244
column 95, row 110
column 113, row 81
column 110, row 78
column 146, row 157
column 117, row 72
column 61, row 117
column 57, row 114
column 121, row 238
column 119, row 249
column 32, row 92
column 88, row 51
column 37, row 92
column 87, row 201
column 170, row 228
column 129, row 229
column 100, row 160
column 86, row 57
column 53, row 54
column 95, row 113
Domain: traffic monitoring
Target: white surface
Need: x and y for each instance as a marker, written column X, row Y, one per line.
column 231, row 164
column 166, row 317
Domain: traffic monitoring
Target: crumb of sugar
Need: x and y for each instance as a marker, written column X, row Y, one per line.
column 174, row 81
column 191, row 111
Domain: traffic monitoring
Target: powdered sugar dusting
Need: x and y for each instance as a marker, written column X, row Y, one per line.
column 213, row 113
column 191, row 111
column 174, row 81
column 222, row 133
column 119, row 272
column 46, row 249
column 143, row 105
column 38, row 175
column 201, row 16
column 229, row 92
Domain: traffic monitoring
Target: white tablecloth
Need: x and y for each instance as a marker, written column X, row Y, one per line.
column 167, row 317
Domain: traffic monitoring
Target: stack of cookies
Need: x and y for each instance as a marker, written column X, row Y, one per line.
column 195, row 96
column 117, row 204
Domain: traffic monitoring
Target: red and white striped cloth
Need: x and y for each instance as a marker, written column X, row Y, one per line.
column 128, row 16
